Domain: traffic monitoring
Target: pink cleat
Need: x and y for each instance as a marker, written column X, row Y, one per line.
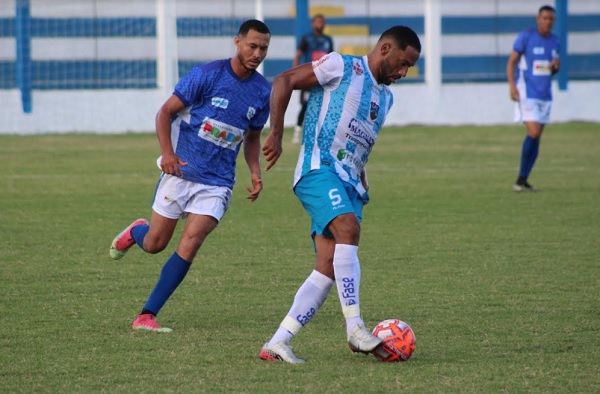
column 147, row 322
column 122, row 242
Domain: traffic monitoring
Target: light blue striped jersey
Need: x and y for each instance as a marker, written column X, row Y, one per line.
column 344, row 115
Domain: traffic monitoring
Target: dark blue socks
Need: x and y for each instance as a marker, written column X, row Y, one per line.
column 138, row 233
column 171, row 276
column 529, row 154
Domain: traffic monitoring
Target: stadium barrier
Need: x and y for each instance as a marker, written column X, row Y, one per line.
column 96, row 68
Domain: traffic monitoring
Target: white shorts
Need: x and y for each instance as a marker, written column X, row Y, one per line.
column 532, row 110
column 176, row 197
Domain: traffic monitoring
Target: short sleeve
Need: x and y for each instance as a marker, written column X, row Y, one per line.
column 520, row 43
column 189, row 89
column 329, row 69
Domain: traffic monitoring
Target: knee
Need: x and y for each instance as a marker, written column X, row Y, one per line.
column 346, row 229
column 154, row 246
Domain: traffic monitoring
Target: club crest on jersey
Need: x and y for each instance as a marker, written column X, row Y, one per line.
column 251, row 112
column 220, row 102
column 374, row 111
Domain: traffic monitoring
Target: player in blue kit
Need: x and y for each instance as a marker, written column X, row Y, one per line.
column 312, row 47
column 536, row 55
column 200, row 129
column 348, row 105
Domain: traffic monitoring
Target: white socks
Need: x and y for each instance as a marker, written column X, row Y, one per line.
column 309, row 298
column 316, row 288
column 347, row 278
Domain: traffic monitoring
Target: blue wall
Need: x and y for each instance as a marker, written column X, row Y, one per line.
column 108, row 74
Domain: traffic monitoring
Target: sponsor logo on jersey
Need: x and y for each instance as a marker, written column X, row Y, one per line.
column 220, row 102
column 542, row 67
column 538, row 50
column 220, row 133
column 374, row 111
column 358, row 69
column 351, row 160
column 358, row 136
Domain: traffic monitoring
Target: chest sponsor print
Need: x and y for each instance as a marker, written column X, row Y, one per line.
column 220, row 133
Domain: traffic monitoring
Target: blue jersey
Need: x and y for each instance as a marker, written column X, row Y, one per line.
column 220, row 108
column 343, row 118
column 313, row 47
column 535, row 65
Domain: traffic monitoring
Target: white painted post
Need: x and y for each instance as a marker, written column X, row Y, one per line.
column 259, row 14
column 433, row 43
column 166, row 41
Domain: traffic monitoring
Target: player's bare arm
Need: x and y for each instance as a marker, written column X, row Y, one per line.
column 510, row 75
column 252, row 156
column 301, row 77
column 555, row 65
column 170, row 162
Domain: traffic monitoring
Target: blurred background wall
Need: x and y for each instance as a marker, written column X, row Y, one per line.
column 107, row 65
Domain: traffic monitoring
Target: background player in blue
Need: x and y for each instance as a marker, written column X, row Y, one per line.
column 200, row 129
column 348, row 105
column 312, row 46
column 535, row 54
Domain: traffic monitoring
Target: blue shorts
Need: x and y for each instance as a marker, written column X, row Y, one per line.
column 325, row 196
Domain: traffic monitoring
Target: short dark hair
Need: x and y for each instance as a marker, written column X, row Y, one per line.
column 318, row 16
column 253, row 24
column 546, row 8
column 404, row 36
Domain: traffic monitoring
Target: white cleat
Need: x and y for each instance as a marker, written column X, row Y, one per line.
column 361, row 340
column 281, row 351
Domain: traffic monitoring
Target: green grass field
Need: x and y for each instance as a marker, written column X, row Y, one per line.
column 502, row 289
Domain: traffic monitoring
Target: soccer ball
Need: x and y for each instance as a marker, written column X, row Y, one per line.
column 399, row 341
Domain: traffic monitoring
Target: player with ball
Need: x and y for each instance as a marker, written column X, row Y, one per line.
column 349, row 102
